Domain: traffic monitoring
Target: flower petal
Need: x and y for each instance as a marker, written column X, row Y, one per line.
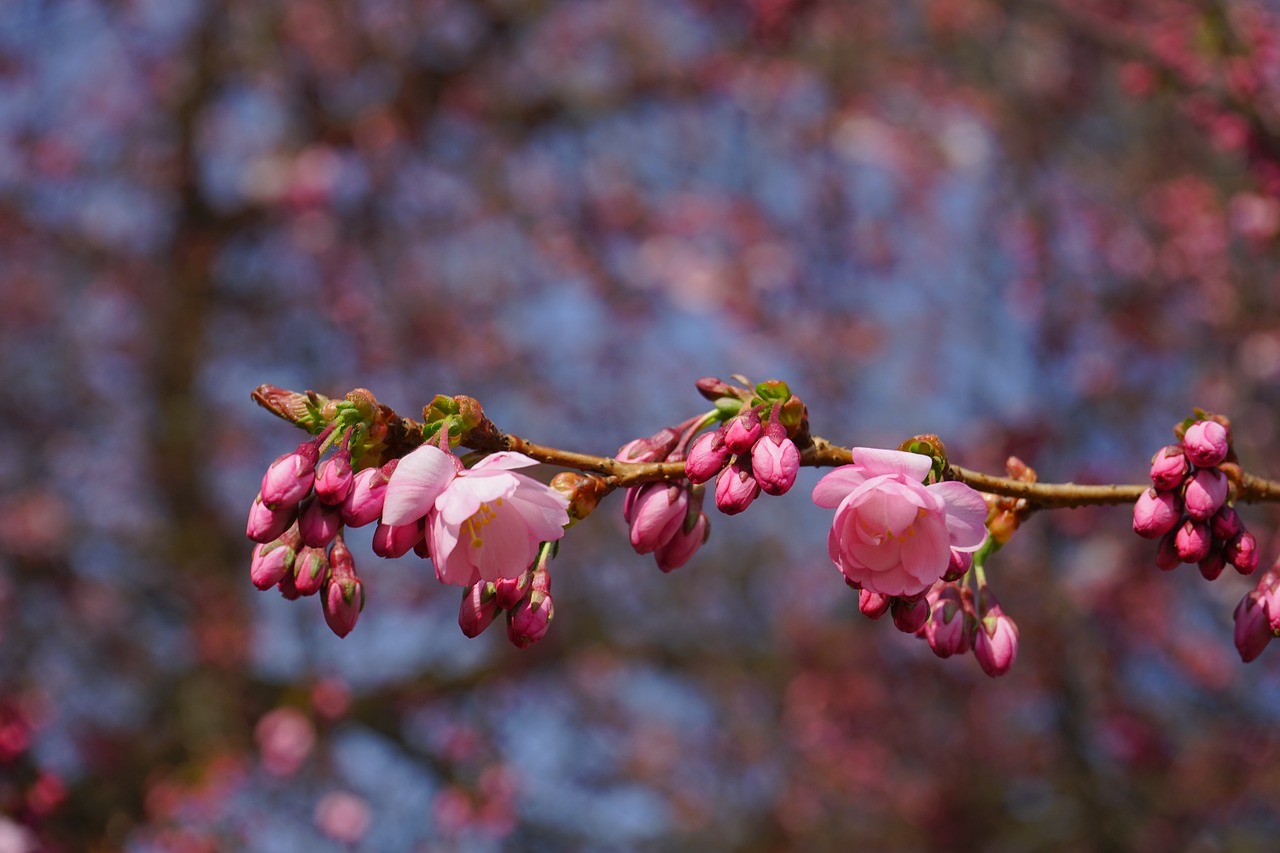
column 465, row 495
column 503, row 548
column 966, row 514
column 874, row 462
column 420, row 478
column 504, row 460
column 833, row 487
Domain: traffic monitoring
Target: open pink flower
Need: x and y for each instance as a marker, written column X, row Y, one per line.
column 484, row 522
column 892, row 534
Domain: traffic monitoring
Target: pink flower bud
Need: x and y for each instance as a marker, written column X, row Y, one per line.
column 479, row 608
column 368, row 493
column 1156, row 513
column 1169, row 467
column 529, row 620
column 510, row 591
column 707, row 457
column 735, row 489
column 946, row 630
column 343, row 597
column 289, row 478
column 775, row 463
column 287, row 587
column 318, row 523
column 1242, row 552
column 334, row 477
column 909, row 614
column 396, row 540
column 684, row 544
column 1253, row 625
column 1205, row 443
column 1167, row 558
column 657, row 513
column 310, row 568
column 1206, row 492
column 995, row 642
column 655, row 448
column 1213, row 564
column 872, row 604
column 958, row 565
column 267, row 524
column 272, row 561
column 1225, row 523
column 1193, row 540
column 1268, row 587
column 743, row 431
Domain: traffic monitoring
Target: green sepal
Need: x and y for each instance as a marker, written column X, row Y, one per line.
column 928, row 445
column 727, row 407
column 773, row 391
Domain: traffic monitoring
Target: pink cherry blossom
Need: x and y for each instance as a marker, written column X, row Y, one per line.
column 892, row 534
column 484, row 522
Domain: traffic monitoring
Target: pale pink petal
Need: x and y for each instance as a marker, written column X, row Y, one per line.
column 442, row 541
column 504, row 549
column 545, row 524
column 834, row 487
column 420, row 478
column 966, row 514
column 535, row 492
column 876, row 558
column 504, row 460
column 884, row 511
column 874, row 462
column 464, row 497
column 894, row 581
column 926, row 553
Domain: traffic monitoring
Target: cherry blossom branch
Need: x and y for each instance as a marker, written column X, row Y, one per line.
column 403, row 434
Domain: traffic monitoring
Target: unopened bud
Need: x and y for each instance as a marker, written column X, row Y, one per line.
column 1242, row 552
column 946, row 630
column 343, row 597
column 707, row 456
column 654, row 448
column 510, row 591
column 1225, row 523
column 1253, row 625
column 271, row 562
column 995, row 642
column 872, row 604
column 742, row 432
column 1167, row 558
column 656, row 513
column 479, row 608
column 318, row 523
column 310, row 568
column 334, row 477
column 775, row 462
column 681, row 548
column 1206, row 493
column 1213, row 564
column 1156, row 513
column 529, row 620
column 1002, row 526
column 1193, row 541
column 583, row 491
column 1205, row 443
column 735, row 489
column 396, row 540
column 368, row 493
column 289, row 478
column 958, row 565
column 1169, row 467
column 266, row 524
column 909, row 614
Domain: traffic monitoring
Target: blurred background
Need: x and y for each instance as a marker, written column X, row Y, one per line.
column 1047, row 228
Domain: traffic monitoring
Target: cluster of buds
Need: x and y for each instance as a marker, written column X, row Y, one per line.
column 946, row 618
column 1257, row 615
column 665, row 519
column 525, row 599
column 1188, row 509
column 748, row 454
column 297, row 520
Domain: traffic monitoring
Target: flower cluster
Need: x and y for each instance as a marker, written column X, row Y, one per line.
column 297, row 520
column 665, row 519
column 1188, row 509
column 904, row 546
column 525, row 599
column 483, row 524
column 747, row 456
